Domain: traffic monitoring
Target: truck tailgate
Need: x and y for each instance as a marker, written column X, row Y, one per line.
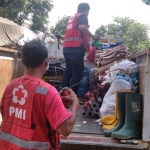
column 88, row 135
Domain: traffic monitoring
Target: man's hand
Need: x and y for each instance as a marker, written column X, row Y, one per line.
column 71, row 98
column 95, row 37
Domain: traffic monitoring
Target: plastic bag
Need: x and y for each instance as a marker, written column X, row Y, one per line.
column 84, row 86
column 124, row 68
column 108, row 105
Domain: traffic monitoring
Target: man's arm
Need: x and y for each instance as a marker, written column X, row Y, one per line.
column 83, row 22
column 66, row 127
column 84, row 29
column 58, row 116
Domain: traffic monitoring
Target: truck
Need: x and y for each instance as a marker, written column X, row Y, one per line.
column 95, row 140
column 86, row 134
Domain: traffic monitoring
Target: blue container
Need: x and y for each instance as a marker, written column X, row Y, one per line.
column 84, row 86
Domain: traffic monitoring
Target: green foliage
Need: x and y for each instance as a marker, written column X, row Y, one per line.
column 146, row 2
column 134, row 34
column 102, row 31
column 60, row 27
column 19, row 10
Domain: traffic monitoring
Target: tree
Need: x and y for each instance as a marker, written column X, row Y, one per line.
column 102, row 31
column 134, row 34
column 146, row 2
column 60, row 27
column 19, row 10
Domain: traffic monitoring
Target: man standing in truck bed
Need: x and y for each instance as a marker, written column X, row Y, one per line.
column 32, row 110
column 75, row 43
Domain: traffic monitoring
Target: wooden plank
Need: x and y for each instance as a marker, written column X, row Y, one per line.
column 142, row 76
column 77, row 145
column 139, row 54
column 146, row 111
column 9, row 50
column 7, row 65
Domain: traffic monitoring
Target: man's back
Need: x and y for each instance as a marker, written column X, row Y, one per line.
column 32, row 110
column 31, row 105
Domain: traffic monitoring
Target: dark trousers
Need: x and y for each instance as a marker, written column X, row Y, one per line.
column 74, row 70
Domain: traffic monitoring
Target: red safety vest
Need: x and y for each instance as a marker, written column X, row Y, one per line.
column 17, row 128
column 73, row 36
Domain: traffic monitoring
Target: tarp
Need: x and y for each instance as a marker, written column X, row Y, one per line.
column 29, row 35
column 10, row 32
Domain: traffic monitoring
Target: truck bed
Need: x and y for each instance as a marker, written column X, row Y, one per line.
column 86, row 125
column 88, row 135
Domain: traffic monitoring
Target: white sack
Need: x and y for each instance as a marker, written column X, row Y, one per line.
column 108, row 105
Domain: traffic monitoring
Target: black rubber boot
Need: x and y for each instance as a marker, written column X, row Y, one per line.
column 121, row 111
column 133, row 118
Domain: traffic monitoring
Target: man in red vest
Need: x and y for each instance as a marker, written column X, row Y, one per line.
column 77, row 38
column 32, row 110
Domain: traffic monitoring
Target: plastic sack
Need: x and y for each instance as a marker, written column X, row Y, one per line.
column 124, row 68
column 108, row 105
column 84, row 86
